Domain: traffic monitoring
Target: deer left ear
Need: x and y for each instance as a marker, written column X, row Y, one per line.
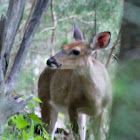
column 100, row 41
column 78, row 35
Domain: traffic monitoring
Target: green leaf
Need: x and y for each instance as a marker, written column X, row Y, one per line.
column 25, row 135
column 30, row 104
column 37, row 99
column 21, row 122
column 34, row 117
column 46, row 135
column 4, row 138
column 31, row 133
column 39, row 138
column 13, row 118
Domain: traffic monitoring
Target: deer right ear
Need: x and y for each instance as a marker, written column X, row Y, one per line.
column 78, row 35
column 100, row 41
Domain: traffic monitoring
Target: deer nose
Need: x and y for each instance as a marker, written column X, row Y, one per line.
column 50, row 61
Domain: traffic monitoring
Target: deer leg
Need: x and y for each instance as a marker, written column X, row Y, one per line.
column 105, row 120
column 82, row 126
column 49, row 116
column 74, row 122
column 99, row 126
column 96, row 127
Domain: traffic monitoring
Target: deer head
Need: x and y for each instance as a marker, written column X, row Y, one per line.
column 76, row 54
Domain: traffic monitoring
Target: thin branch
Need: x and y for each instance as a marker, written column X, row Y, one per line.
column 49, row 28
column 113, row 48
column 53, row 14
column 29, row 16
column 37, row 52
column 21, row 105
column 54, row 18
column 14, row 16
column 115, row 57
column 53, row 31
column 17, row 97
column 38, row 14
column 76, row 17
column 67, row 18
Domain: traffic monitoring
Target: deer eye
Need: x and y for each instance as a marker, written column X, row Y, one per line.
column 75, row 52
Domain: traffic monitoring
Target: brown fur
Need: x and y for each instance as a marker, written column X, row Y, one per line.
column 72, row 45
column 83, row 89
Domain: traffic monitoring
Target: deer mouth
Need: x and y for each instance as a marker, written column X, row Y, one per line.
column 52, row 63
column 55, row 66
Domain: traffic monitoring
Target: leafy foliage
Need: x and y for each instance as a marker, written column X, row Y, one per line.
column 24, row 125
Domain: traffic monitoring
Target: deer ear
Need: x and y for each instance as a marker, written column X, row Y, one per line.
column 78, row 35
column 100, row 41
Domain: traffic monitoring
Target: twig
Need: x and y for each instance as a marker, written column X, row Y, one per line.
column 34, row 51
column 113, row 48
column 67, row 18
column 29, row 16
column 76, row 17
column 115, row 57
column 49, row 28
column 53, row 31
column 54, row 19
column 17, row 97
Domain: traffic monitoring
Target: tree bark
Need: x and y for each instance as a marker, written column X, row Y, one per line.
column 12, row 25
column 9, row 26
column 130, row 26
column 38, row 14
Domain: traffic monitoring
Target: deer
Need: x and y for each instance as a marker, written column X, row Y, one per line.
column 76, row 84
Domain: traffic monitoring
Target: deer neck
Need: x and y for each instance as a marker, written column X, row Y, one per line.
column 86, row 72
column 91, row 77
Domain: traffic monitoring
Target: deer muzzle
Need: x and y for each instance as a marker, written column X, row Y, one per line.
column 52, row 63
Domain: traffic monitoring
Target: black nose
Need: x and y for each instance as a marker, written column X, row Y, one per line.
column 50, row 61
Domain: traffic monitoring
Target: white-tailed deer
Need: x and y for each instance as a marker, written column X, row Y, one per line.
column 75, row 83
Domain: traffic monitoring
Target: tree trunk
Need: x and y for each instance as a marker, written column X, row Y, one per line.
column 9, row 26
column 125, row 122
column 130, row 39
